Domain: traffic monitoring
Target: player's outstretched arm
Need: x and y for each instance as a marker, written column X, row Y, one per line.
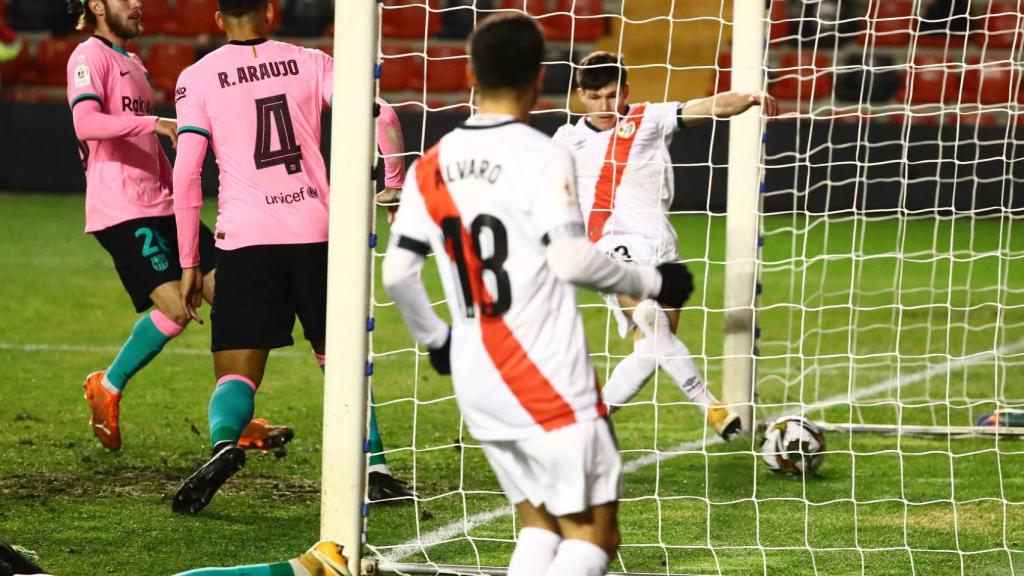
column 726, row 105
column 188, row 200
column 575, row 260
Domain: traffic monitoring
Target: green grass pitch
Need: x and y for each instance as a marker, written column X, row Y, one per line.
column 882, row 505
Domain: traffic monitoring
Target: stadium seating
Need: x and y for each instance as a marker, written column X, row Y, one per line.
column 723, row 74
column 555, row 17
column 991, row 81
column 12, row 72
column 49, row 68
column 165, row 62
column 193, row 17
column 410, row 18
column 930, row 80
column 803, row 75
column 1003, row 25
column 446, row 70
column 944, row 23
column 590, row 22
column 888, row 23
column 155, row 16
column 458, row 20
column 781, row 27
column 308, row 18
column 558, row 76
column 871, row 77
column 401, row 68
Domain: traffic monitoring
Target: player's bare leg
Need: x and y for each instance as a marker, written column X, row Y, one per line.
column 589, row 540
column 239, row 373
column 260, row 434
column 655, row 343
column 151, row 332
column 538, row 541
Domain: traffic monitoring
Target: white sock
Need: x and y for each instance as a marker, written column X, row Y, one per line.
column 578, row 558
column 630, row 375
column 534, row 552
column 297, row 568
column 673, row 356
column 382, row 468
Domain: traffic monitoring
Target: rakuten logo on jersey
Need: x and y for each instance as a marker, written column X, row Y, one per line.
column 138, row 106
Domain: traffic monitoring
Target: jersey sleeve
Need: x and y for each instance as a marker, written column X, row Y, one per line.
column 327, row 77
column 412, row 226
column 561, row 136
column 392, row 145
column 188, row 105
column 557, row 210
column 86, row 72
column 667, row 115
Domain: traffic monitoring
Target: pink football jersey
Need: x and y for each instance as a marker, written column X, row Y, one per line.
column 259, row 103
column 127, row 174
column 485, row 198
column 625, row 173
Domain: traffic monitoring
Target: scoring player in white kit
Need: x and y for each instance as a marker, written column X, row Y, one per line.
column 495, row 200
column 624, row 173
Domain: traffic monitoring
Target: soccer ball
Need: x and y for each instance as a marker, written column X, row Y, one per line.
column 793, row 445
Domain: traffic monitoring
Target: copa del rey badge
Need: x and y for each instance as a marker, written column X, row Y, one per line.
column 627, row 129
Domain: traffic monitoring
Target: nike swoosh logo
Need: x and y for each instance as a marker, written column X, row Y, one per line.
column 126, row 73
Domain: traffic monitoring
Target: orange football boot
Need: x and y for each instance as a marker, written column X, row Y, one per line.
column 104, row 408
column 325, row 558
column 261, row 435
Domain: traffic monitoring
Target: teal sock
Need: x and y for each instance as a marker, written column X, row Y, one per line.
column 144, row 343
column 276, row 569
column 231, row 409
column 376, row 441
column 377, row 457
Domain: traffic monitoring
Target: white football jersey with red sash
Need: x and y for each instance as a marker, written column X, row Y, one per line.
column 484, row 199
column 624, row 174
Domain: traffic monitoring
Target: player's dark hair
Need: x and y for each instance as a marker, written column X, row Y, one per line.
column 600, row 69
column 238, row 8
column 86, row 19
column 506, row 51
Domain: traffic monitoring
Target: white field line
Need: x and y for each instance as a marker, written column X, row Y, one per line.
column 297, row 351
column 464, row 526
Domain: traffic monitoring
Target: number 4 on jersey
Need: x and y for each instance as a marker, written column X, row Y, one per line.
column 272, row 112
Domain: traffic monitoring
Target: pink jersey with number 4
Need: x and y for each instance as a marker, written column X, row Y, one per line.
column 259, row 103
column 126, row 172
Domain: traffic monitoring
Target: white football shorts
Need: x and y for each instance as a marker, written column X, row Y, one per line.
column 638, row 249
column 566, row 470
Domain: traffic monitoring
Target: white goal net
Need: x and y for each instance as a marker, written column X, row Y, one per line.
column 889, row 294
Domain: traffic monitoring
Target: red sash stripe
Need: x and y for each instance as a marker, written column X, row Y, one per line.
column 530, row 387
column 615, row 160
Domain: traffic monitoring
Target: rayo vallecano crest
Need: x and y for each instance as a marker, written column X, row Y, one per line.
column 627, row 129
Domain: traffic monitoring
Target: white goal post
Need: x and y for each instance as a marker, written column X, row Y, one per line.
column 743, row 221
column 348, row 279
